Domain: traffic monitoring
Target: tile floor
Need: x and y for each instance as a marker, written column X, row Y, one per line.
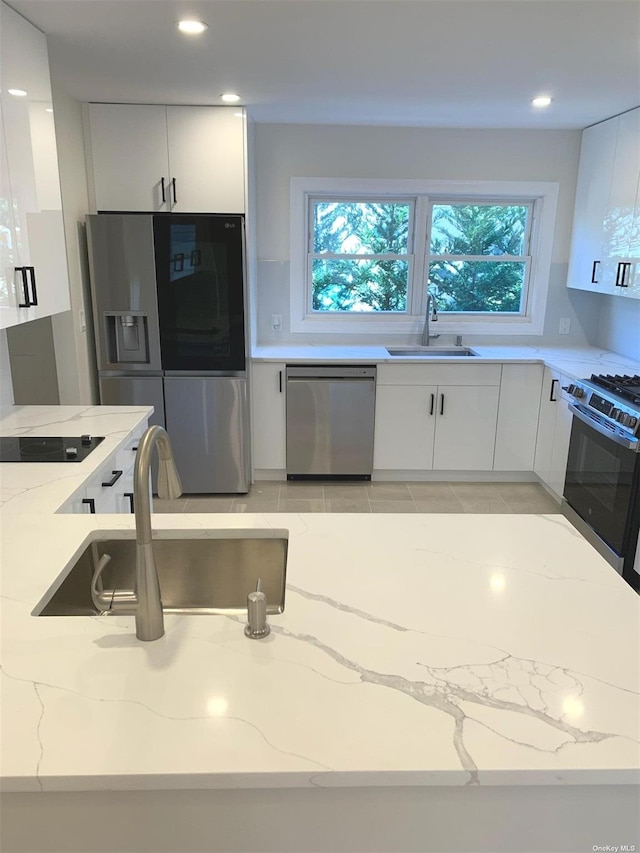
column 372, row 497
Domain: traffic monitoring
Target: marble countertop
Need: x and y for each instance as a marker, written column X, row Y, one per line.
column 575, row 362
column 44, row 487
column 413, row 650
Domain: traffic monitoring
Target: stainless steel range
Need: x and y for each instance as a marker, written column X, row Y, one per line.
column 602, row 485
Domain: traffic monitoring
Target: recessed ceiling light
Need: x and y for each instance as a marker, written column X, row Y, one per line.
column 193, row 28
column 541, row 101
column 48, row 109
column 230, row 98
column 18, row 93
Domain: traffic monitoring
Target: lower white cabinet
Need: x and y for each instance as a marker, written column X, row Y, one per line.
column 268, row 425
column 405, row 427
column 110, row 488
column 554, row 430
column 434, row 418
column 520, row 391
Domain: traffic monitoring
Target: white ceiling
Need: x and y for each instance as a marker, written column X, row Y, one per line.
column 437, row 63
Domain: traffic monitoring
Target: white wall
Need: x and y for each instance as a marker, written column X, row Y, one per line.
column 619, row 324
column 73, row 346
column 6, row 386
column 285, row 151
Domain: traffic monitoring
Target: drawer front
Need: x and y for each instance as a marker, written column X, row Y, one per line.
column 439, row 374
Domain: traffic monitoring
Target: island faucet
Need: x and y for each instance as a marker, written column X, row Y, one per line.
column 145, row 600
column 432, row 308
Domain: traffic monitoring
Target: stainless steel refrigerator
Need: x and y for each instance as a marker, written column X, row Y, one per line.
column 168, row 312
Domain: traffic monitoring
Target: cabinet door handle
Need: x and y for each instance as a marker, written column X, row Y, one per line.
column 164, row 194
column 173, row 184
column 34, row 292
column 594, row 270
column 91, row 504
column 622, row 273
column 442, row 404
column 432, row 403
column 553, row 399
column 130, row 496
column 113, row 480
column 25, row 287
column 280, row 381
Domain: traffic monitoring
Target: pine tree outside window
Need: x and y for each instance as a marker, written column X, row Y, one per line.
column 478, row 255
column 360, row 256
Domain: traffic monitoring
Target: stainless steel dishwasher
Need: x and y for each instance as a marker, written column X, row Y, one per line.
column 330, row 416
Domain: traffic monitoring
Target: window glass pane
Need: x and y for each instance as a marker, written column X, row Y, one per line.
column 343, row 284
column 360, row 228
column 477, row 285
column 478, row 229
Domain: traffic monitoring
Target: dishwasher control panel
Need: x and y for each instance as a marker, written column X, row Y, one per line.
column 331, row 371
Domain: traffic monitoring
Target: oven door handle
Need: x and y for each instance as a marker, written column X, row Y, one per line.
column 629, row 443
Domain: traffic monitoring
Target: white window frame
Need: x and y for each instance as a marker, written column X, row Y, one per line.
column 544, row 194
column 526, row 258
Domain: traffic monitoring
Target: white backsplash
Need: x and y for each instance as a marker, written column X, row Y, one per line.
column 619, row 325
column 6, row 386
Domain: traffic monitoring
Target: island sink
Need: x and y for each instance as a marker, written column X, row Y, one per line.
column 430, row 352
column 210, row 574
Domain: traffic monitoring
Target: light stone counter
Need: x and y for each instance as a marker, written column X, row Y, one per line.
column 436, row 683
column 575, row 362
column 413, row 650
column 44, row 487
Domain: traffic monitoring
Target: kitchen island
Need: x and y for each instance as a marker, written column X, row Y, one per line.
column 435, row 683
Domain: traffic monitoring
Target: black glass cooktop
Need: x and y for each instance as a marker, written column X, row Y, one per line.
column 47, row 448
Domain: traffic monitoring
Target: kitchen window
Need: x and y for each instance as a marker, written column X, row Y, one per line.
column 360, row 254
column 478, row 259
column 371, row 248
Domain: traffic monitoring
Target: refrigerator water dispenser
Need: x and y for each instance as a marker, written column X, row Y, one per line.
column 127, row 337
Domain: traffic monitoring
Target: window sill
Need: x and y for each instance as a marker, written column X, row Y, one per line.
column 373, row 325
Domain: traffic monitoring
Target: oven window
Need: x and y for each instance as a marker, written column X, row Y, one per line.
column 599, row 482
column 599, row 472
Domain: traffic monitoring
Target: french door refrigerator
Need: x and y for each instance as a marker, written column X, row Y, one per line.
column 168, row 311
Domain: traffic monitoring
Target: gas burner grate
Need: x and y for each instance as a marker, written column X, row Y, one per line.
column 627, row 387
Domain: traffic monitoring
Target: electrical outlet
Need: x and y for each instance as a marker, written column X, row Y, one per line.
column 276, row 322
column 565, row 325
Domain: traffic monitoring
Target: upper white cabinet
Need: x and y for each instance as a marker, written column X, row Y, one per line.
column 167, row 159
column 605, row 249
column 34, row 280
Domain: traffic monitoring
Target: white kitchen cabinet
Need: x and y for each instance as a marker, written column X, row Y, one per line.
column 440, row 417
column 605, row 256
column 554, row 428
column 268, row 425
column 405, row 427
column 167, row 159
column 34, row 279
column 465, row 427
column 520, row 390
column 110, row 488
column 622, row 211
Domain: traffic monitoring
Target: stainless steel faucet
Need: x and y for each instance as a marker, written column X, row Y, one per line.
column 432, row 308
column 145, row 600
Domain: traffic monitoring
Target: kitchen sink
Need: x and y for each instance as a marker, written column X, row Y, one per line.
column 431, row 352
column 210, row 575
